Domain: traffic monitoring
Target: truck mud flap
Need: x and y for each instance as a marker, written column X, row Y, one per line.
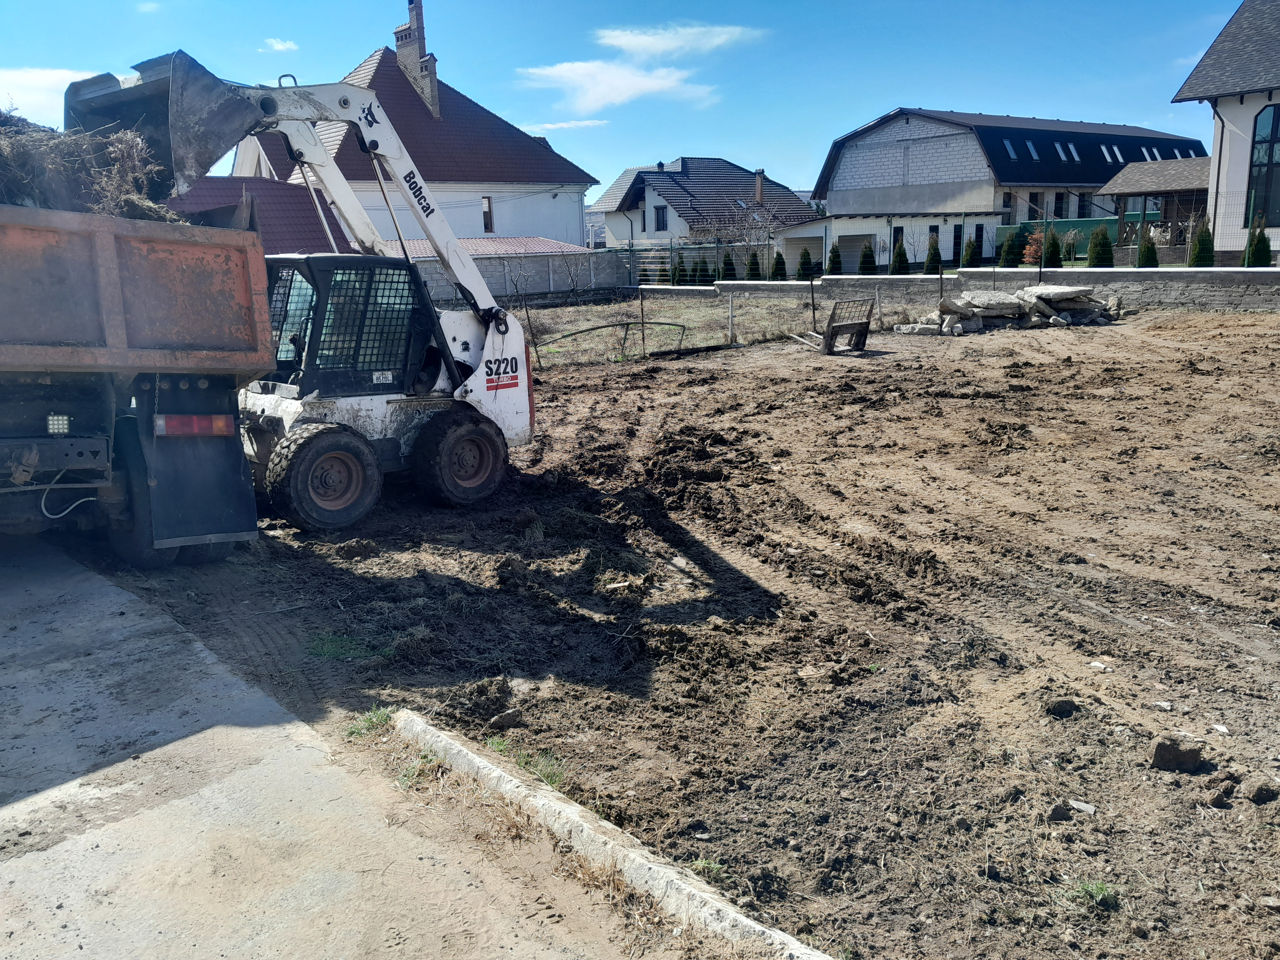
column 201, row 491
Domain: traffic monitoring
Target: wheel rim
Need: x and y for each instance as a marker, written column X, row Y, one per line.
column 471, row 462
column 336, row 481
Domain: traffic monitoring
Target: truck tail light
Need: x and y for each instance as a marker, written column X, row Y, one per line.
column 195, row 425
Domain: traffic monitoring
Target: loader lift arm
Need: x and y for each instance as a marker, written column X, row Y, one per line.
column 191, row 118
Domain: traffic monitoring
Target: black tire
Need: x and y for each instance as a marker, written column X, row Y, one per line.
column 197, row 554
column 322, row 476
column 460, row 458
column 133, row 544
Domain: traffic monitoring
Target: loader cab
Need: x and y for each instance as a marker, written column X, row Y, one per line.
column 350, row 325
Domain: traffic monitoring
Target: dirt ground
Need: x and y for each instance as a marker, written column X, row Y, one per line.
column 850, row 636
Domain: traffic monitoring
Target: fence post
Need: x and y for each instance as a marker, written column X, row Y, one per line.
column 644, row 344
column 731, row 333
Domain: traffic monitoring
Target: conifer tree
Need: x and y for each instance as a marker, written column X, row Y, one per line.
column 643, row 278
column 805, row 270
column 899, row 264
column 1100, row 251
column 753, row 267
column 1012, row 249
column 1147, row 256
column 867, row 261
column 779, row 267
column 1053, row 250
column 834, row 266
column 972, row 255
column 702, row 273
column 682, row 272
column 933, row 256
column 664, row 275
column 727, row 270
column 1202, row 247
column 1257, row 253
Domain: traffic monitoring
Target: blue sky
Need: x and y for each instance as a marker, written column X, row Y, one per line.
column 764, row 84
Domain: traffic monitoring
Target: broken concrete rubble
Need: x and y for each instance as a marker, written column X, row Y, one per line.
column 1041, row 305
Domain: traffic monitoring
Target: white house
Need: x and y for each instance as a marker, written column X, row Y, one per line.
column 1239, row 77
column 491, row 178
column 698, row 198
column 912, row 173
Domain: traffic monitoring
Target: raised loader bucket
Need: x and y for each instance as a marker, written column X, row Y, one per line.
column 189, row 118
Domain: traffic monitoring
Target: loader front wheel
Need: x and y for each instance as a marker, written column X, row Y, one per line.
column 460, row 458
column 323, row 477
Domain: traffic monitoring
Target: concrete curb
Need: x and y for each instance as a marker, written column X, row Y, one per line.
column 606, row 847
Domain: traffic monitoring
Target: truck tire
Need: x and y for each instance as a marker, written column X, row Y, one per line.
column 322, row 476
column 196, row 554
column 460, row 458
column 133, row 544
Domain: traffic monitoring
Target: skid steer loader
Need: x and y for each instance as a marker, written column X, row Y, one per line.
column 370, row 377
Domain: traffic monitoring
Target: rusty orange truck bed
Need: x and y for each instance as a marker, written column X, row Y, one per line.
column 83, row 293
column 122, row 346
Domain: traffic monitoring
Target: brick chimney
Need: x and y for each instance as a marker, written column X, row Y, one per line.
column 418, row 65
column 760, row 186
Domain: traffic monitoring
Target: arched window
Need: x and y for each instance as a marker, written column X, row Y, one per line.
column 1264, row 170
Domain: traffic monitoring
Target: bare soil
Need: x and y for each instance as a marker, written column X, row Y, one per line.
column 849, row 635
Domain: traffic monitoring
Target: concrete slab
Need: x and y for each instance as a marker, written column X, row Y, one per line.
column 153, row 805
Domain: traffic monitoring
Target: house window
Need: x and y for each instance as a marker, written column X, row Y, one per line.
column 977, row 240
column 1074, row 156
column 933, row 229
column 957, row 242
column 897, row 237
column 659, row 219
column 1059, row 206
column 1264, row 170
column 1008, row 200
column 1119, row 156
column 1031, row 149
column 643, row 228
column 1008, row 145
column 1086, row 205
column 1035, row 205
column 1106, row 156
column 1062, row 154
column 486, row 213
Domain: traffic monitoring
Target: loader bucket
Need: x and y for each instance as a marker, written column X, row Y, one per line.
column 189, row 118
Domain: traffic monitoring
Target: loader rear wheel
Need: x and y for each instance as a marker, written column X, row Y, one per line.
column 323, row 477
column 460, row 458
column 134, row 543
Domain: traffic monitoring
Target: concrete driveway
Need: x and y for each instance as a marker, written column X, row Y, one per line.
column 154, row 805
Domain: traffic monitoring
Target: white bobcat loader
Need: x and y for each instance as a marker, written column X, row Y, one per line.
column 370, row 378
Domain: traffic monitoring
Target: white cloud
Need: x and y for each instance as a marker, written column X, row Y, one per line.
column 590, row 86
column 36, row 92
column 538, row 128
column 648, row 43
column 148, row 7
column 274, row 45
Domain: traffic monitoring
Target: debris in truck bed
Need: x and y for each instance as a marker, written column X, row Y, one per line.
column 111, row 174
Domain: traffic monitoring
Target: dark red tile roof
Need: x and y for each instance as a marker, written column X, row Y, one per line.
column 467, row 144
column 282, row 213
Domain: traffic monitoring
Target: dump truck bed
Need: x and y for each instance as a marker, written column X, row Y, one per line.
column 85, row 293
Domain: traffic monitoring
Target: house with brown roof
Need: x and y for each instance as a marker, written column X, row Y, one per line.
column 696, row 198
column 490, row 178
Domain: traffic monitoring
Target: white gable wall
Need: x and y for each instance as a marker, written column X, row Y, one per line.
column 622, row 228
column 912, row 165
column 1229, row 169
column 546, row 210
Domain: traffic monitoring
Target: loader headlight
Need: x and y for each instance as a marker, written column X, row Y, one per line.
column 58, row 424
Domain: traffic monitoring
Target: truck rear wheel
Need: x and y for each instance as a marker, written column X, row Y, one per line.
column 134, row 543
column 460, row 458
column 323, row 477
